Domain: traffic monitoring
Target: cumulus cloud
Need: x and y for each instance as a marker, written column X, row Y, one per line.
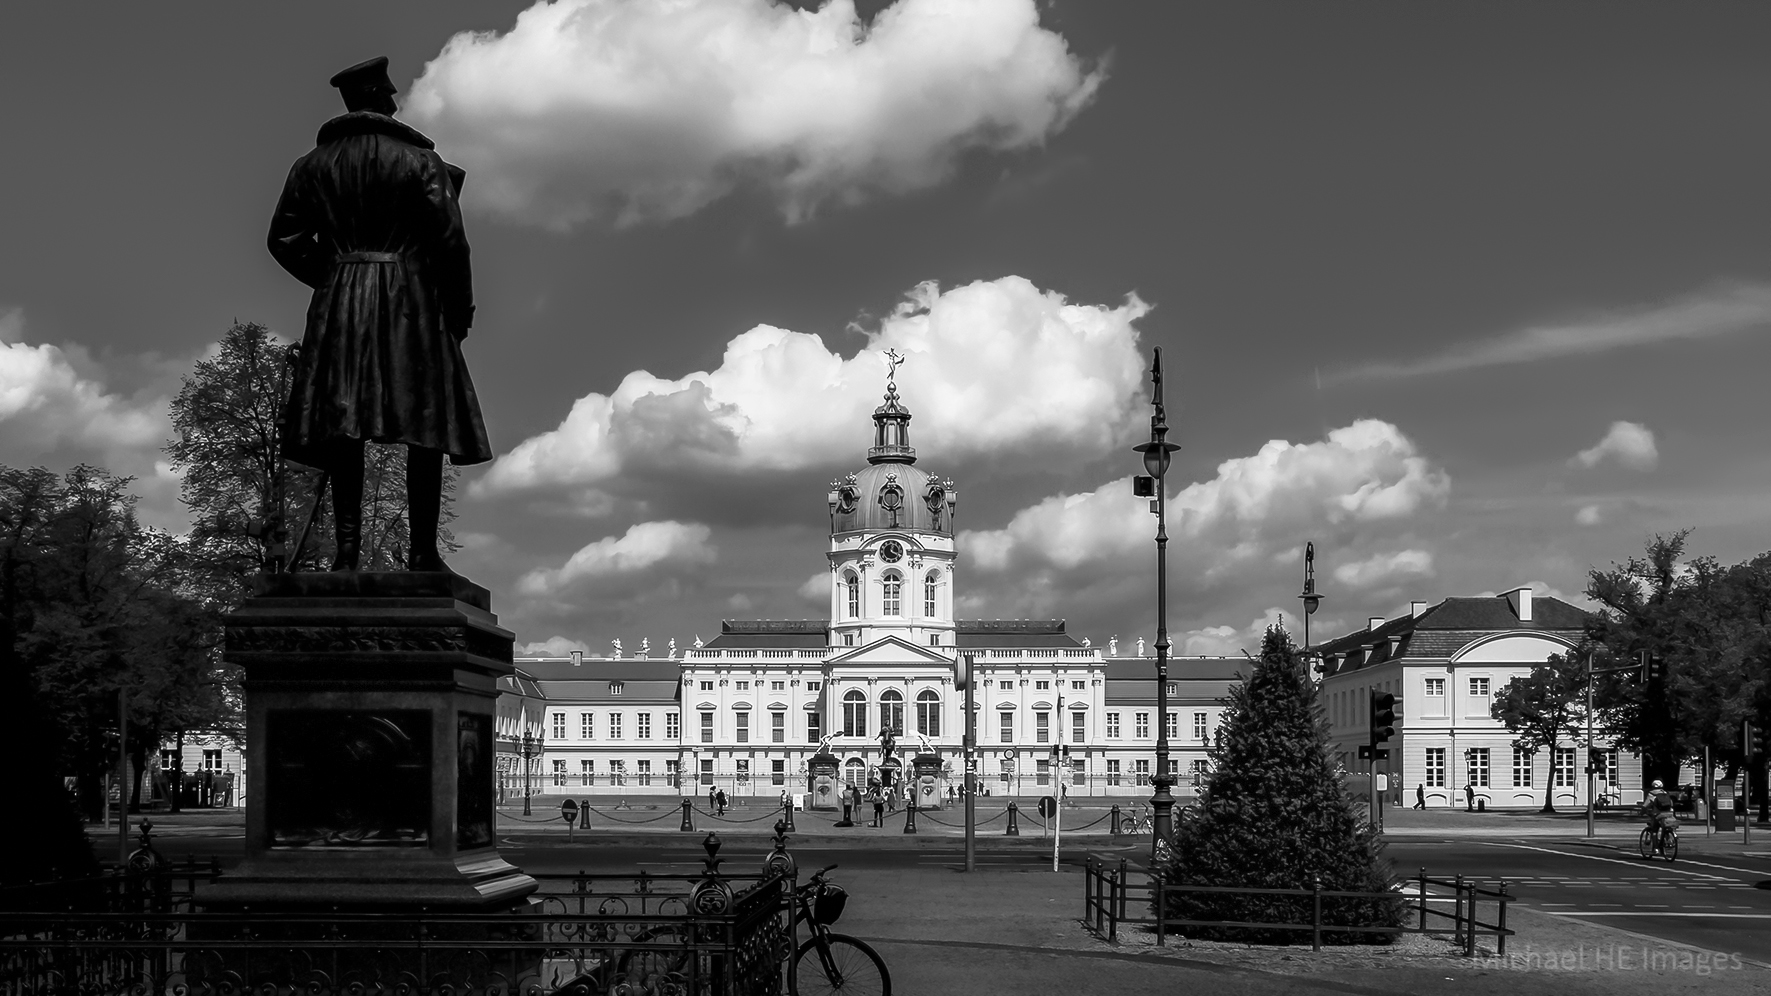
column 643, row 547
column 1228, row 641
column 1363, row 472
column 1385, row 569
column 816, row 590
column 553, row 646
column 46, row 403
column 645, row 110
column 1589, row 515
column 1630, row 444
column 994, row 367
column 1721, row 310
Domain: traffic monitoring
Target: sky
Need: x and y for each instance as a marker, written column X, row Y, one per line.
column 1471, row 296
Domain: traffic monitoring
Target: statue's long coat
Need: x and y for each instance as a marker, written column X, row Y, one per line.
column 381, row 359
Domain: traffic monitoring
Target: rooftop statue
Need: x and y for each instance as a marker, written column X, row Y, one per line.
column 370, row 220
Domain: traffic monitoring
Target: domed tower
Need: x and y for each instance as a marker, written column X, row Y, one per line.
column 891, row 541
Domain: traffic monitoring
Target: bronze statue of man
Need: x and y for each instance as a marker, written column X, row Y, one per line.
column 370, row 220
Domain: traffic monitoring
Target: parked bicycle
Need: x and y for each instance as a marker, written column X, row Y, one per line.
column 1141, row 820
column 829, row 962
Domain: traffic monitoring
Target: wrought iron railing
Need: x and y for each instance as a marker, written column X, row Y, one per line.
column 646, row 935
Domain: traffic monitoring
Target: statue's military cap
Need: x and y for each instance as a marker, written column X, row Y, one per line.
column 368, row 75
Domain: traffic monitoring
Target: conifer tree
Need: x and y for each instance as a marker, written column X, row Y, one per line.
column 1276, row 814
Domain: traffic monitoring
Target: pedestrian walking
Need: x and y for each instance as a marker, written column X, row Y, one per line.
column 721, row 798
column 1420, row 796
column 712, row 798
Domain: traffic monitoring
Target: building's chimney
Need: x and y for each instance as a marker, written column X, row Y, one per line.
column 577, row 658
column 1416, row 608
column 1520, row 600
column 1373, row 623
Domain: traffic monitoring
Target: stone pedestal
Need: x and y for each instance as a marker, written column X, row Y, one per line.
column 370, row 703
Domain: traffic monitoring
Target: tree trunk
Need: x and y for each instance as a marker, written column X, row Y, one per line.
column 138, row 758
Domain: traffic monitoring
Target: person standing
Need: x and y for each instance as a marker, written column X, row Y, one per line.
column 1469, row 798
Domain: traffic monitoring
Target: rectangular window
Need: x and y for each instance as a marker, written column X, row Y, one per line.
column 559, row 726
column 707, row 727
column 742, row 719
column 1479, row 688
column 1143, row 772
column 706, row 772
column 1008, row 727
column 1436, row 688
column 1042, row 686
column 743, row 686
column 1521, row 768
column 1042, row 772
column 744, row 771
column 559, row 772
column 1077, row 728
column 1478, row 702
column 1479, row 767
column 1079, row 686
column 614, row 726
column 1173, row 725
column 777, row 686
column 934, row 639
column 1199, row 770
column 587, row 726
column 212, row 759
column 814, row 686
column 645, row 770
column 814, row 727
column 1174, row 688
column 848, row 639
column 644, row 725
column 614, row 688
column 1112, row 772
column 778, row 772
column 587, row 772
column 1112, row 726
column 1564, row 765
column 673, row 726
column 1004, row 770
column 1143, row 725
column 1199, row 726
column 707, row 686
column 778, row 727
column 1435, row 766
column 617, row 772
column 1079, row 772
column 1042, row 728
column 1610, row 773
column 670, row 773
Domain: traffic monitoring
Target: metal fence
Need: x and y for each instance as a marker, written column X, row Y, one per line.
column 1112, row 889
column 707, row 934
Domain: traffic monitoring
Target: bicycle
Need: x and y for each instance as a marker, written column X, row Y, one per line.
column 1140, row 821
column 843, row 964
column 1663, row 841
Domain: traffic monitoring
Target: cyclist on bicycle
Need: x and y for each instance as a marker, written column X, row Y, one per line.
column 1658, row 807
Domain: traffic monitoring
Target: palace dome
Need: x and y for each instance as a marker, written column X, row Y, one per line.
column 891, row 492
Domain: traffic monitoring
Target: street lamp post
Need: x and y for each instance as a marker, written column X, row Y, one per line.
column 1157, row 453
column 528, row 752
column 1310, row 599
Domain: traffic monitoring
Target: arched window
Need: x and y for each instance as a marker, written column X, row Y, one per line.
column 854, row 713
column 855, row 772
column 929, row 584
column 894, row 595
column 852, row 585
column 928, row 713
column 891, row 711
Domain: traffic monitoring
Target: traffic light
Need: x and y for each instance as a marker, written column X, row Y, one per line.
column 1596, row 761
column 1383, row 716
column 1752, row 739
column 1143, row 487
column 1652, row 665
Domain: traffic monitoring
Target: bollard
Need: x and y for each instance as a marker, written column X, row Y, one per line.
column 787, row 822
column 1113, row 828
column 688, row 817
column 584, row 815
column 1014, row 827
column 1500, row 937
column 1457, row 908
column 1423, row 900
column 910, row 818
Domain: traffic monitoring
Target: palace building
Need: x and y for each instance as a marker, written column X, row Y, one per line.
column 749, row 710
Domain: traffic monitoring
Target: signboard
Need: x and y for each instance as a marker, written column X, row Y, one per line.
column 1048, row 806
column 1725, row 805
column 569, row 811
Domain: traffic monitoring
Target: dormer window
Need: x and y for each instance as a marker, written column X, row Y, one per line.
column 614, row 688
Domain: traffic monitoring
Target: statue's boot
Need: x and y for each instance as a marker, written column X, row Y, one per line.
column 424, row 507
column 347, row 506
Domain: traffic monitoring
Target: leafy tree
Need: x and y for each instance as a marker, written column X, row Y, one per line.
column 1545, row 710
column 1277, row 812
column 1711, row 626
column 228, row 417
column 96, row 608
